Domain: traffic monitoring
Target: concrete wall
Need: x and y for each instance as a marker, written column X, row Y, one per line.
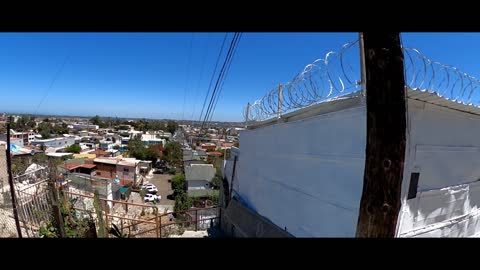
column 306, row 175
column 239, row 221
column 444, row 147
column 122, row 174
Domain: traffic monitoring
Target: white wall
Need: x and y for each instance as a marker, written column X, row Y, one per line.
column 444, row 147
column 305, row 175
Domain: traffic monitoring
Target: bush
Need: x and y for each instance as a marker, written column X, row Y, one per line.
column 74, row 148
column 182, row 202
column 178, row 183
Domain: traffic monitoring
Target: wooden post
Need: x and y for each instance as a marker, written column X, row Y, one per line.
column 10, row 182
column 105, row 207
column 55, row 198
column 160, row 225
column 386, row 135
column 196, row 219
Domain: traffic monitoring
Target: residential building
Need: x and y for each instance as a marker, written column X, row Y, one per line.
column 199, row 176
column 125, row 169
column 106, row 144
column 56, row 143
column 163, row 134
column 208, row 146
column 234, row 131
column 84, row 126
column 151, row 139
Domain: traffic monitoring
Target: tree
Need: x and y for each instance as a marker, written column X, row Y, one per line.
column 95, row 120
column 217, row 179
column 172, row 153
column 60, row 129
column 182, row 202
column 74, row 148
column 178, row 183
column 137, row 149
column 40, row 159
column 172, row 126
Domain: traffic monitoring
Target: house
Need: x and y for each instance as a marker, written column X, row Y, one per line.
column 112, row 153
column 84, row 126
column 313, row 187
column 80, row 168
column 27, row 137
column 100, row 153
column 90, row 146
column 151, row 139
column 199, row 176
column 187, row 163
column 208, row 146
column 214, row 154
column 57, row 143
column 234, row 131
column 106, row 144
column 59, row 155
column 125, row 169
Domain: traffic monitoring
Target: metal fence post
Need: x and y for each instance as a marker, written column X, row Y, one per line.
column 280, row 100
column 247, row 114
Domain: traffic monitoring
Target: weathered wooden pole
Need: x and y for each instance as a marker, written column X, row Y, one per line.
column 10, row 182
column 386, row 135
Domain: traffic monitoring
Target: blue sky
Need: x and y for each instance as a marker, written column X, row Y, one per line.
column 148, row 74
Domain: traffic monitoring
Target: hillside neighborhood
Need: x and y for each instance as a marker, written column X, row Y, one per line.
column 369, row 139
column 119, row 163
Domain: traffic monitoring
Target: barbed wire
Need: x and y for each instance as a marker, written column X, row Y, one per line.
column 338, row 74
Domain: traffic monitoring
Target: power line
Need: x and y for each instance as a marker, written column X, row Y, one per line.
column 213, row 76
column 188, row 76
column 223, row 81
column 52, row 82
column 200, row 79
column 221, row 76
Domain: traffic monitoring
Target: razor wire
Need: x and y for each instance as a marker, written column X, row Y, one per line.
column 338, row 74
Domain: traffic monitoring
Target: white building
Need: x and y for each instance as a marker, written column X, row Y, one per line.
column 312, row 185
column 84, row 126
column 234, row 131
column 57, row 143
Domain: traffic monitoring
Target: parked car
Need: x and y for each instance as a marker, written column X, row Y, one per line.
column 152, row 198
column 145, row 186
column 158, row 171
column 152, row 189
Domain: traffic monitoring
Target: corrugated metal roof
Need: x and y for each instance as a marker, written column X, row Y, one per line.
column 434, row 98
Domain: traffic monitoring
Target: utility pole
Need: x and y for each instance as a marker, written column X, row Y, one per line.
column 386, row 135
column 10, row 182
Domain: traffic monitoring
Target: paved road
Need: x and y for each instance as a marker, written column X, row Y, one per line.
column 164, row 187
